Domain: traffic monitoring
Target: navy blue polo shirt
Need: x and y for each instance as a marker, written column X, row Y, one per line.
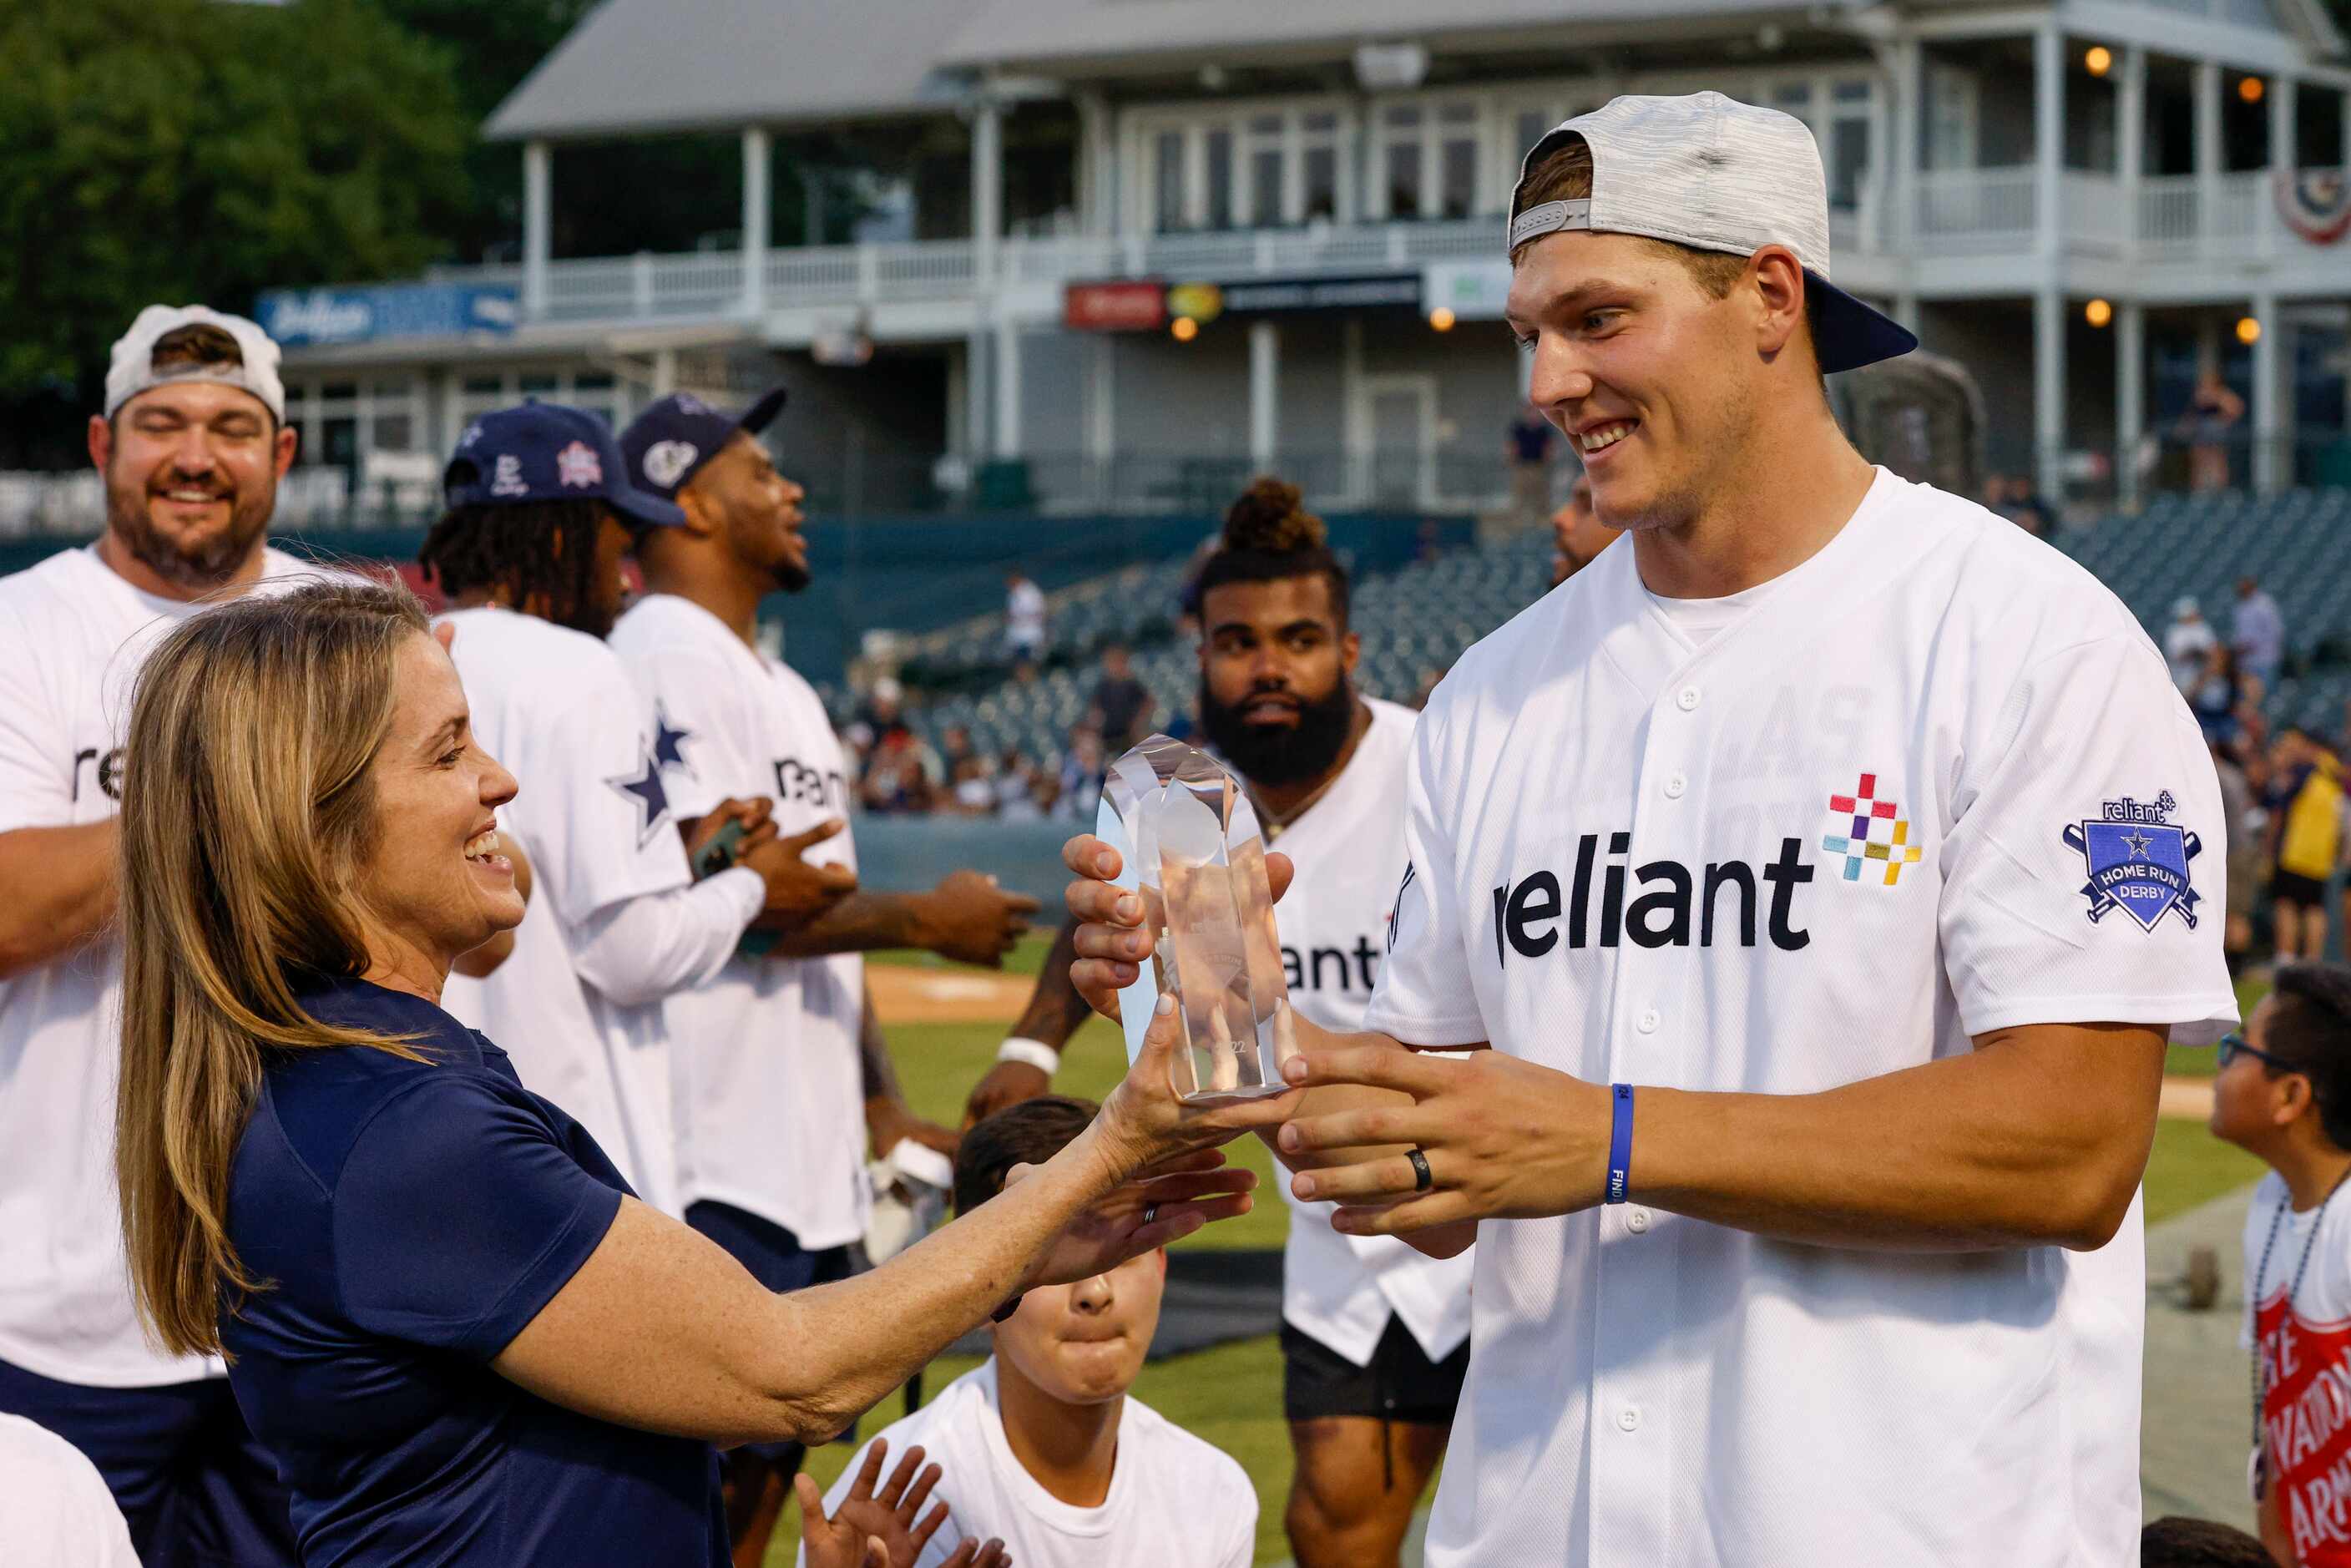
column 411, row 1219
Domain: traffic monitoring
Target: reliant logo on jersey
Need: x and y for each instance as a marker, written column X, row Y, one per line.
column 2137, row 862
column 1721, row 898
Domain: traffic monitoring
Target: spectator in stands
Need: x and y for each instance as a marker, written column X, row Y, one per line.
column 2244, row 856
column 1577, row 533
column 2216, row 694
column 2257, row 632
column 1083, row 767
column 971, row 787
column 956, row 750
column 883, row 716
column 2305, row 840
column 1528, row 446
column 1021, row 794
column 1121, row 708
column 2212, row 413
column 2017, row 500
column 2185, row 641
column 1024, row 617
column 1042, row 1446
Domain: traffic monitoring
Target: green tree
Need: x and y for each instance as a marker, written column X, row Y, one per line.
column 180, row 149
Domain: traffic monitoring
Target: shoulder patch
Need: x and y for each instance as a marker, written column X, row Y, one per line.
column 2136, row 861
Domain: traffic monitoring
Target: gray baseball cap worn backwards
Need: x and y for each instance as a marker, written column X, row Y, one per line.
column 1713, row 174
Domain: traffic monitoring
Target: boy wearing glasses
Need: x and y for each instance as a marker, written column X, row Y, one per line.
column 2283, row 1092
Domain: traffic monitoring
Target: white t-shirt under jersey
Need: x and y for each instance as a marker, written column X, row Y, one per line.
column 74, row 633
column 1936, row 782
column 55, row 1509
column 769, row 1089
column 555, row 707
column 1174, row 1500
column 1348, row 848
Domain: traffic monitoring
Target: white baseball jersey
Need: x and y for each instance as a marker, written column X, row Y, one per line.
column 76, row 633
column 1349, row 851
column 555, row 707
column 1932, row 782
column 1173, row 1498
column 770, row 1090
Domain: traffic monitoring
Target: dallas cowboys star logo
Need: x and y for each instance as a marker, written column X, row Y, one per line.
column 2137, row 843
column 645, row 790
column 669, row 743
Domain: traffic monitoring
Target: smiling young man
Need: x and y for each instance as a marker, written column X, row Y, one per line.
column 1043, row 1449
column 191, row 443
column 530, row 554
column 1825, row 872
column 780, row 1075
column 1374, row 1334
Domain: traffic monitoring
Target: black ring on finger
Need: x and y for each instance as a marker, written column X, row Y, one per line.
column 1421, row 1180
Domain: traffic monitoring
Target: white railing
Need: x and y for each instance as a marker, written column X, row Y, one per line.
column 1956, row 211
column 1975, row 209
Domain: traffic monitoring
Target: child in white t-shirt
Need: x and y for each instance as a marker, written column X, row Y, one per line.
column 2284, row 1092
column 1040, row 1445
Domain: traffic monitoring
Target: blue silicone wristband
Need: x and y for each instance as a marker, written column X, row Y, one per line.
column 1620, row 1141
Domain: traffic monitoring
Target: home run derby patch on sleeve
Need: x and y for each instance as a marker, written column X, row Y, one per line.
column 2137, row 862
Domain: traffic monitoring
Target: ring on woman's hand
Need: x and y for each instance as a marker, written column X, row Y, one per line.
column 1150, row 1214
column 1421, row 1180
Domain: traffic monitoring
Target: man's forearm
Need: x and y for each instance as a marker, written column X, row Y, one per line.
column 1055, row 1010
column 58, row 888
column 860, row 923
column 2013, row 1143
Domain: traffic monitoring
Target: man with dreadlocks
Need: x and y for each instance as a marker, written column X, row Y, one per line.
column 529, row 555
column 1374, row 1334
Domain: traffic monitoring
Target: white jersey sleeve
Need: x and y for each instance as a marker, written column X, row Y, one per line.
column 37, row 772
column 2087, row 846
column 700, row 723
column 1424, row 995
column 603, row 830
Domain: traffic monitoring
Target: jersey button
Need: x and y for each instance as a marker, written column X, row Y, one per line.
column 1686, row 698
column 1636, row 1220
column 1648, row 1020
column 1675, row 786
column 1628, row 1419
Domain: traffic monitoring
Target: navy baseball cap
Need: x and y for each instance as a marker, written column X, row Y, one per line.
column 668, row 443
column 545, row 452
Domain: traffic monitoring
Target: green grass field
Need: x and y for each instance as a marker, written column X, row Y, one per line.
column 1232, row 1396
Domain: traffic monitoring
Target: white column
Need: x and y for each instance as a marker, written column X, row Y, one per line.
column 1909, row 104
column 1264, row 382
column 2206, row 141
column 538, row 223
column 2283, row 152
column 2130, row 398
column 664, row 371
column 2130, row 139
column 1102, row 415
column 2049, row 389
column 1097, row 165
column 1356, row 414
column 757, row 186
column 2049, row 137
column 2271, row 422
column 986, row 187
column 1007, row 389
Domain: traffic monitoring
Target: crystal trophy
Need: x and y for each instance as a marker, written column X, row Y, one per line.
column 1188, row 844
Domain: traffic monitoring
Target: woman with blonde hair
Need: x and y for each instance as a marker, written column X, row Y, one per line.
column 457, row 1331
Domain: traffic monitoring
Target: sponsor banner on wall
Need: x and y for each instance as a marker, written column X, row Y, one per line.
column 1472, row 290
column 1145, row 306
column 300, row 316
column 1129, row 306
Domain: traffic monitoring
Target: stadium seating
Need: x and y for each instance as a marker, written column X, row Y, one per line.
column 1417, row 621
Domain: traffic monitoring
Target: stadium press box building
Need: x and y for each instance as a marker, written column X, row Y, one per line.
column 1116, row 256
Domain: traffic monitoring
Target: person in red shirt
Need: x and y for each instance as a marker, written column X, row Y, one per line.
column 2283, row 1092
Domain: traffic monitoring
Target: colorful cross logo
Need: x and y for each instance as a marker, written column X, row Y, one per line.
column 1877, row 833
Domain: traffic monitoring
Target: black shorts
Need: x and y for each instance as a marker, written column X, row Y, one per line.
column 2293, row 887
column 1401, row 1384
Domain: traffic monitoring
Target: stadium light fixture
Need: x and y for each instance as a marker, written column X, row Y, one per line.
column 1441, row 319
column 1183, row 329
column 2251, row 88
column 2098, row 313
column 2100, row 60
column 2249, row 330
